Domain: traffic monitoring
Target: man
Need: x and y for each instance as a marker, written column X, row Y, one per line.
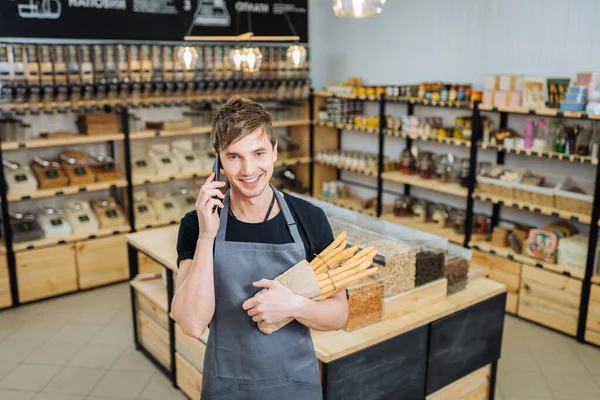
column 258, row 234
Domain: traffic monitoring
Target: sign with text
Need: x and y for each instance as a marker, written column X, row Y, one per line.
column 149, row 20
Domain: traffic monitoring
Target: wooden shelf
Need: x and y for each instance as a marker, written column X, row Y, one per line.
column 177, row 177
column 351, row 203
column 596, row 279
column 49, row 242
column 449, row 141
column 67, row 190
column 357, row 170
column 154, row 289
column 543, row 112
column 162, row 224
column 291, row 161
column 62, row 141
column 350, row 127
column 511, row 255
column 346, row 96
column 291, row 122
column 431, row 184
column 542, row 154
column 463, row 105
column 553, row 212
column 429, row 227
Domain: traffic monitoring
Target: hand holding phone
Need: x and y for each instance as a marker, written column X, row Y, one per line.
column 217, row 171
column 209, row 200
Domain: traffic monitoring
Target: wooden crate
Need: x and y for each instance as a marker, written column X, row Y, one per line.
column 190, row 348
column 593, row 319
column 153, row 310
column 154, row 338
column 189, row 379
column 5, row 297
column 146, row 265
column 46, row 272
column 475, row 386
column 501, row 270
column 512, row 303
column 550, row 299
column 102, row 261
column 415, row 299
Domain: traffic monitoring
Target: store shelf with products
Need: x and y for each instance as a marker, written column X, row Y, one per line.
column 436, row 139
column 67, row 190
column 574, row 158
column 550, row 211
column 506, row 252
column 177, row 177
column 463, row 105
column 350, row 127
column 351, row 203
column 541, row 112
column 350, row 169
column 71, row 140
column 321, row 93
column 431, row 184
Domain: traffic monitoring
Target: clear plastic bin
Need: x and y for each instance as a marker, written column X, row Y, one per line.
column 397, row 264
column 429, row 265
column 456, row 268
column 365, row 303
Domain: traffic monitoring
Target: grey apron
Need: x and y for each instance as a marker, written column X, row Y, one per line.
column 242, row 363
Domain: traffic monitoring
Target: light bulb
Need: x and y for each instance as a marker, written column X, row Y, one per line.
column 188, row 56
column 357, row 8
column 236, row 56
column 252, row 59
column 297, row 56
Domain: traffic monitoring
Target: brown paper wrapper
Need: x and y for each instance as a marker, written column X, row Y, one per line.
column 301, row 280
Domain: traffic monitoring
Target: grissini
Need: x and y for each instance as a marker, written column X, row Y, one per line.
column 336, row 242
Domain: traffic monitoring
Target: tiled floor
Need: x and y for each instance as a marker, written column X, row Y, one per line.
column 81, row 347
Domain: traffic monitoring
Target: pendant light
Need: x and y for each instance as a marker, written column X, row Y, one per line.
column 236, row 57
column 188, row 56
column 252, row 59
column 296, row 56
column 357, row 8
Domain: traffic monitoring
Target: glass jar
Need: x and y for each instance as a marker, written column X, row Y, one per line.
column 458, row 221
column 483, row 168
column 444, row 170
column 440, row 215
column 426, row 165
column 403, row 206
column 465, row 166
column 419, row 210
column 481, row 224
column 407, row 162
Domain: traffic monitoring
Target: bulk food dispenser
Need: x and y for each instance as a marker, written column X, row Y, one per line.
column 162, row 161
column 166, row 207
column 19, row 179
column 25, row 227
column 109, row 214
column 81, row 217
column 76, row 168
column 53, row 222
column 49, row 173
column 104, row 168
column 144, row 212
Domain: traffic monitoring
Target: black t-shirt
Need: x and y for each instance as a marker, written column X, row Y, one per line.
column 312, row 223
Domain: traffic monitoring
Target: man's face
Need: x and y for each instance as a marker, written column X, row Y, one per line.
column 248, row 163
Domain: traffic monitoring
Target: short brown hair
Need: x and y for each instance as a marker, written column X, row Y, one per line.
column 237, row 118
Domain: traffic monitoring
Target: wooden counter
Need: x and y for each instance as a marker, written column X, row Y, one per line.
column 423, row 354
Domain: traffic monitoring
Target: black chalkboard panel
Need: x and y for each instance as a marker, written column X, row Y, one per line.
column 464, row 342
column 394, row 370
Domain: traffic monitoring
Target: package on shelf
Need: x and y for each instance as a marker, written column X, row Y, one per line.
column 365, row 303
column 575, row 195
column 98, row 123
column 456, row 267
column 162, row 160
column 166, row 207
column 185, row 123
column 19, row 179
column 53, row 222
column 189, row 160
column 75, row 167
column 81, row 217
column 13, row 130
column 141, row 169
column 542, row 243
column 200, row 117
column 145, row 214
column 104, row 167
column 185, row 197
column 49, row 174
column 109, row 213
column 572, row 251
column 499, row 181
column 25, row 227
column 535, row 190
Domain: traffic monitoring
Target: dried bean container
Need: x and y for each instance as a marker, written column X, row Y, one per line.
column 456, row 268
column 365, row 303
column 397, row 262
column 429, row 265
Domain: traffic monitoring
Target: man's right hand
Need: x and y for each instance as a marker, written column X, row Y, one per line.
column 207, row 219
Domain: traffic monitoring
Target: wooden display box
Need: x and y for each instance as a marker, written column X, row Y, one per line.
column 415, row 299
column 475, row 386
column 501, row 270
column 189, row 379
column 192, row 349
column 550, row 299
column 5, row 297
column 46, row 272
column 152, row 310
column 102, row 261
column 592, row 333
column 154, row 338
column 146, row 265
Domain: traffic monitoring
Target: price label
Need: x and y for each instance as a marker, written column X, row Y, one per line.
column 21, row 178
column 84, row 218
column 56, row 222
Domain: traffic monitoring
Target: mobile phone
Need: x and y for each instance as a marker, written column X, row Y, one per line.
column 217, row 172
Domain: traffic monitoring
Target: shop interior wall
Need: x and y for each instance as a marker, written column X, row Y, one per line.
column 456, row 41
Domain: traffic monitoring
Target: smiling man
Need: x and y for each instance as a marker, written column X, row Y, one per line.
column 226, row 258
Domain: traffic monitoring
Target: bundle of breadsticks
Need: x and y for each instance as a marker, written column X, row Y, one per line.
column 334, row 269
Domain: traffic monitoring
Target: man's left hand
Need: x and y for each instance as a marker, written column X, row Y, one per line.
column 275, row 304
